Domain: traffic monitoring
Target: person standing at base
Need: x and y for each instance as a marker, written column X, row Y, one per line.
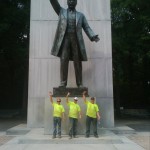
column 92, row 115
column 74, row 113
column 58, row 114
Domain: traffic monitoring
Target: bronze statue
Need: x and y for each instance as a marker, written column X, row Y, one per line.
column 69, row 43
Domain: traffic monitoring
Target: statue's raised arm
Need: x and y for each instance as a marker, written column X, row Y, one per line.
column 56, row 6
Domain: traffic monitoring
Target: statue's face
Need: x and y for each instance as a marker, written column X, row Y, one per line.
column 72, row 4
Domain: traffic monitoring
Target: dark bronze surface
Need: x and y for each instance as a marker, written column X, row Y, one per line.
column 59, row 91
column 68, row 43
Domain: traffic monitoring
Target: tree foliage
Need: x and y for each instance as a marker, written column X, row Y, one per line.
column 131, row 52
column 14, row 39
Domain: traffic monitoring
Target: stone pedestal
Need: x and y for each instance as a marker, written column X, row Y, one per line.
column 59, row 91
column 44, row 69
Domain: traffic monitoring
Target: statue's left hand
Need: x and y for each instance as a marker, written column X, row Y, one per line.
column 95, row 38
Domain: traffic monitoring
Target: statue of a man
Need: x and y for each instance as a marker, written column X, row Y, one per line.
column 69, row 43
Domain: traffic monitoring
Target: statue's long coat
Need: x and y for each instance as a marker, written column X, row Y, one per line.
column 81, row 22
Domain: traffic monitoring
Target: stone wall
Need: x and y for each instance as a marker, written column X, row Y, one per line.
column 44, row 71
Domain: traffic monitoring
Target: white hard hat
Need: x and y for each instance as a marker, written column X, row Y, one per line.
column 75, row 98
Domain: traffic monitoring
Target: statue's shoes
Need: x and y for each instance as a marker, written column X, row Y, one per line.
column 62, row 85
column 80, row 86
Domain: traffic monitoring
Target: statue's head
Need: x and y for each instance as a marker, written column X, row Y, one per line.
column 72, row 4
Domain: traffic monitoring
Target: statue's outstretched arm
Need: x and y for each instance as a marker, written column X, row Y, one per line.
column 56, row 6
column 92, row 36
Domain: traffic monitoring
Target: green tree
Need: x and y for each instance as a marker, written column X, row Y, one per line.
column 131, row 52
column 14, row 49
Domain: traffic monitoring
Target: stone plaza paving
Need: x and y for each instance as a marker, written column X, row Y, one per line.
column 126, row 135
